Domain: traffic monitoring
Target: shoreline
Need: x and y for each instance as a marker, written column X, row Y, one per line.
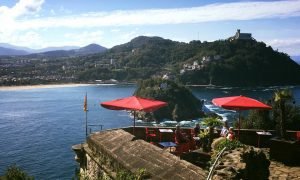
column 41, row 86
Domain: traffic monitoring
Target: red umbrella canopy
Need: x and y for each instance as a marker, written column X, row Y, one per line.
column 239, row 103
column 134, row 103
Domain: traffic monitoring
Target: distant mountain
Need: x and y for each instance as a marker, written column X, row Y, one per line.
column 65, row 48
column 222, row 62
column 11, row 52
column 63, row 51
column 296, row 59
column 90, row 49
column 86, row 50
column 6, row 45
column 54, row 54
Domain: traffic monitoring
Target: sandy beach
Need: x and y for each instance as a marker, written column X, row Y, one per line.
column 15, row 88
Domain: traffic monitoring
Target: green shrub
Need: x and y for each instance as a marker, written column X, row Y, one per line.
column 229, row 144
column 15, row 173
column 126, row 175
column 257, row 164
column 223, row 142
column 216, row 143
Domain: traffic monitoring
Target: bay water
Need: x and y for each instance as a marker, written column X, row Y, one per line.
column 39, row 126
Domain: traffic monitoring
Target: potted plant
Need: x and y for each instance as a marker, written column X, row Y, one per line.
column 211, row 123
column 281, row 147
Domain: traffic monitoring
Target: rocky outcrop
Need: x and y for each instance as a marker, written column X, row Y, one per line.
column 243, row 163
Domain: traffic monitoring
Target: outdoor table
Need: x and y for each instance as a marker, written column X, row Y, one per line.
column 161, row 131
column 262, row 133
column 167, row 145
column 196, row 138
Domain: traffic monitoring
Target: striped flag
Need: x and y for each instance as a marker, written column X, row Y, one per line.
column 85, row 109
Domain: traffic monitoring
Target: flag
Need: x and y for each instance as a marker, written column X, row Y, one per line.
column 85, row 103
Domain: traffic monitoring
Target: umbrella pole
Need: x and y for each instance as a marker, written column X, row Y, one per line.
column 86, row 129
column 133, row 122
column 239, row 125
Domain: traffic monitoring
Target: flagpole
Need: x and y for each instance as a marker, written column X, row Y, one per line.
column 86, row 131
column 85, row 109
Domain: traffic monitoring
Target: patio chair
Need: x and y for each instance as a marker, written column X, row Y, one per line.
column 182, row 148
column 298, row 135
column 192, row 132
column 150, row 133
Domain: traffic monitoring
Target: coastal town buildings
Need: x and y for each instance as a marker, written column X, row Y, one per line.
column 199, row 64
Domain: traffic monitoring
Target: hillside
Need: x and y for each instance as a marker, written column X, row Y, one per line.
column 182, row 104
column 55, row 52
column 223, row 62
column 90, row 49
column 86, row 50
column 11, row 52
column 235, row 63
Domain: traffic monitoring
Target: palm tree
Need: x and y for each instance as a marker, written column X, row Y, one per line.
column 281, row 97
column 211, row 122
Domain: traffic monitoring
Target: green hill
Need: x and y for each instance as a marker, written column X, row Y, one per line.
column 235, row 63
column 182, row 104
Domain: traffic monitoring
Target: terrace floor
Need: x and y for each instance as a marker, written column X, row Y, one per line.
column 281, row 171
column 278, row 171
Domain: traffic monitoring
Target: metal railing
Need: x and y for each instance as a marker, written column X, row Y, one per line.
column 212, row 168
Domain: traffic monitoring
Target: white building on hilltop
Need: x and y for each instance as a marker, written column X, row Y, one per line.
column 241, row 36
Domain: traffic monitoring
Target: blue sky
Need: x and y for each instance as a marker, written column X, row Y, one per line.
column 44, row 23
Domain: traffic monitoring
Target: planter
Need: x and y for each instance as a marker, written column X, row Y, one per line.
column 285, row 151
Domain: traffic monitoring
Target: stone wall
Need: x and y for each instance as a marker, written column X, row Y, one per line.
column 108, row 152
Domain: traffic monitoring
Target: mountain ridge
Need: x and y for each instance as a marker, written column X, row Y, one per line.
column 12, row 50
column 222, row 62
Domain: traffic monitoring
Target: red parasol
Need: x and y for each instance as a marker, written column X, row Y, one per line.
column 239, row 103
column 134, row 103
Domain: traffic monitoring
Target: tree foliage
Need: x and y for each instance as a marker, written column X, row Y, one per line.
column 15, row 173
column 182, row 104
column 258, row 119
column 241, row 63
column 281, row 99
column 285, row 115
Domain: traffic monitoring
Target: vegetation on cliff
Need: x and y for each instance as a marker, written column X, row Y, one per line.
column 284, row 115
column 14, row 172
column 238, row 63
column 182, row 104
column 222, row 62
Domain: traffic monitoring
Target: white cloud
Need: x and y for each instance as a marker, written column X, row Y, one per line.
column 62, row 9
column 83, row 38
column 115, row 30
column 213, row 12
column 52, row 12
column 290, row 46
column 28, row 38
column 23, row 7
column 129, row 35
column 23, row 16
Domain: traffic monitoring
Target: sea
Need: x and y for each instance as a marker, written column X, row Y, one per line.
column 39, row 126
